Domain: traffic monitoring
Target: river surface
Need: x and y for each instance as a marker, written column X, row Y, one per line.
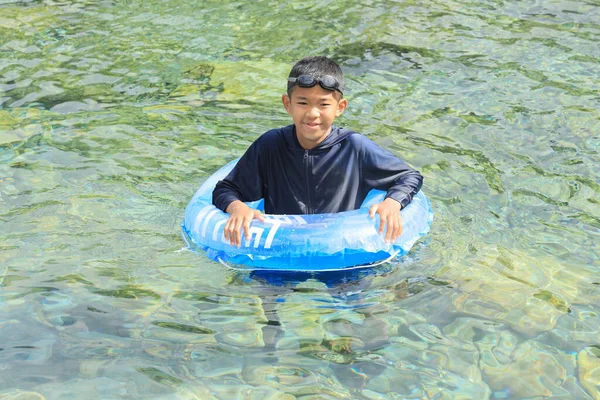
column 112, row 113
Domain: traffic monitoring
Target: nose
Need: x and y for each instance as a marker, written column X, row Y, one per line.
column 313, row 112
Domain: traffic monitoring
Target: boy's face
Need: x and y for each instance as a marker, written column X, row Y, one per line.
column 313, row 111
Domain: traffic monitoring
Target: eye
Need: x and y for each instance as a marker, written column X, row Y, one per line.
column 302, row 103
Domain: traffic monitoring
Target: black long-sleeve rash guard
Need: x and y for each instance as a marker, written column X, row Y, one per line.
column 334, row 176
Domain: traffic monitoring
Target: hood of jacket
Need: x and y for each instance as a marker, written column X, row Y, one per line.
column 334, row 137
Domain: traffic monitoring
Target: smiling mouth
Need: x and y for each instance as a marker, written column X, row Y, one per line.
column 311, row 124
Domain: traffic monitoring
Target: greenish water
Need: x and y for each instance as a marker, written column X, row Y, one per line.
column 112, row 113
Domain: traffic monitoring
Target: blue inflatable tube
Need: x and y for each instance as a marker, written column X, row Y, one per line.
column 318, row 242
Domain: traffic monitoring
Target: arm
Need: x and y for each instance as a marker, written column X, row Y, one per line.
column 384, row 171
column 244, row 183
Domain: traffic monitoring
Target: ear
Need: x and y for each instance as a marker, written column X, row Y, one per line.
column 342, row 104
column 287, row 103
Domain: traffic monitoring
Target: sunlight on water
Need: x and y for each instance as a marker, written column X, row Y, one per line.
column 112, row 113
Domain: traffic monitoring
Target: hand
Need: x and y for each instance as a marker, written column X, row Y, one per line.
column 389, row 212
column 240, row 216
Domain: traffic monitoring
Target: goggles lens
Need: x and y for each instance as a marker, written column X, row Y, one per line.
column 327, row 82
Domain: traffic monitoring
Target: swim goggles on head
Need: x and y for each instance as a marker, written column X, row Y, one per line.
column 326, row 82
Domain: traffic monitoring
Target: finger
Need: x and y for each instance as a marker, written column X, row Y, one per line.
column 389, row 230
column 394, row 233
column 247, row 229
column 382, row 222
column 398, row 230
column 230, row 232
column 372, row 210
column 258, row 215
column 393, row 229
column 238, row 235
column 226, row 230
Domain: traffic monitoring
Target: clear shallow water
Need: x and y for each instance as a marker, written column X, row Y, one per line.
column 113, row 113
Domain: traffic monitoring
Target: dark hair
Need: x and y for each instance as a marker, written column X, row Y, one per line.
column 317, row 66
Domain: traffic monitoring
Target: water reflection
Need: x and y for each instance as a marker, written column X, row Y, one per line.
column 346, row 325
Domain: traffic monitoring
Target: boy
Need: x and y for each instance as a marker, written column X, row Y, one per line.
column 313, row 166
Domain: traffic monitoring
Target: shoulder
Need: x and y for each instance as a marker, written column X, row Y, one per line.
column 275, row 136
column 365, row 145
column 355, row 139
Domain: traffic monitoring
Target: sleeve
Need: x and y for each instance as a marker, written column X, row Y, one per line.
column 384, row 171
column 243, row 183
